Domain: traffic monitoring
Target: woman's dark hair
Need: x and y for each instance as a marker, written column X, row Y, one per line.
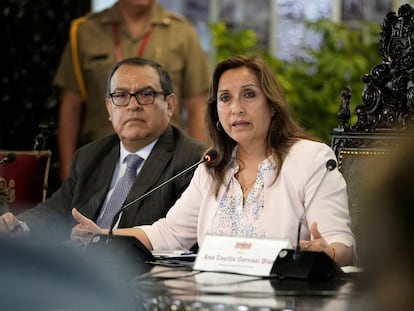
column 283, row 130
column 165, row 79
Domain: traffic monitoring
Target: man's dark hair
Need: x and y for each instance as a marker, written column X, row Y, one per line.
column 165, row 79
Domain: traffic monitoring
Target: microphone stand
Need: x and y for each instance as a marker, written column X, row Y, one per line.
column 128, row 248
column 206, row 158
column 330, row 165
column 309, row 265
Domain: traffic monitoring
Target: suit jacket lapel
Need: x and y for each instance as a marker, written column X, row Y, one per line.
column 103, row 177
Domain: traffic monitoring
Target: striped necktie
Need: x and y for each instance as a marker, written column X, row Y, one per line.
column 121, row 190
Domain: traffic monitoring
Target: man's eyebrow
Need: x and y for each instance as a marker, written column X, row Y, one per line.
column 146, row 88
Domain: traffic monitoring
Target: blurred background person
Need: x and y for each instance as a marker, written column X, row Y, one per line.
column 386, row 239
column 97, row 41
column 51, row 276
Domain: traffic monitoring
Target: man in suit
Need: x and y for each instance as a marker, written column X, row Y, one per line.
column 140, row 103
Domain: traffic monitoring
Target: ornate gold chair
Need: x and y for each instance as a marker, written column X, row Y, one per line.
column 24, row 174
column 24, row 180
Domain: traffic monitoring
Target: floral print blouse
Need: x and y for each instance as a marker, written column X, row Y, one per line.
column 237, row 216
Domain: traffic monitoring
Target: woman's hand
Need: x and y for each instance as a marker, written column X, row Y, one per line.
column 318, row 243
column 339, row 252
column 85, row 229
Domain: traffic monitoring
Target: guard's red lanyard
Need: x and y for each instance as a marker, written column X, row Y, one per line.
column 117, row 42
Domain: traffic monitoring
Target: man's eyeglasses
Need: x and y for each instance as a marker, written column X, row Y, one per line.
column 145, row 97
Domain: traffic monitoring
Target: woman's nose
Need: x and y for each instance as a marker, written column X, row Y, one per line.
column 237, row 107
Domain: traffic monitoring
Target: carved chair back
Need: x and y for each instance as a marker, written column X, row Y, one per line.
column 385, row 118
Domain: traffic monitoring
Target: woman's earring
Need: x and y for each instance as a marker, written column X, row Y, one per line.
column 273, row 112
column 219, row 127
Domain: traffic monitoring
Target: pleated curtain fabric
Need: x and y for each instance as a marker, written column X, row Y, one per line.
column 121, row 191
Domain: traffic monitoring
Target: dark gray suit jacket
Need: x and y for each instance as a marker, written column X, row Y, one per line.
column 90, row 177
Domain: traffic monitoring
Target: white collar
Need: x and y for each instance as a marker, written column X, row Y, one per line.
column 143, row 152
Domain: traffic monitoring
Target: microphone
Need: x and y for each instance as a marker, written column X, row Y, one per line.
column 9, row 158
column 330, row 166
column 208, row 157
column 127, row 249
column 308, row 265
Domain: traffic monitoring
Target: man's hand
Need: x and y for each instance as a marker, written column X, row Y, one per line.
column 10, row 226
column 84, row 230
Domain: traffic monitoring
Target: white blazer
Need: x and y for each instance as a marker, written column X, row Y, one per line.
column 294, row 191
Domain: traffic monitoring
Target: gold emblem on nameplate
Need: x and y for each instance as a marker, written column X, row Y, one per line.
column 243, row 245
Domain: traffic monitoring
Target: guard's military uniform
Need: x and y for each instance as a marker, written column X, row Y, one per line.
column 168, row 39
